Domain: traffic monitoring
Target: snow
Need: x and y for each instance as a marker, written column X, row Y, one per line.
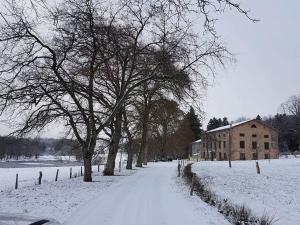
column 151, row 196
column 228, row 126
column 56, row 200
column 29, row 176
column 276, row 191
column 44, row 164
column 143, row 196
column 198, row 141
column 44, row 158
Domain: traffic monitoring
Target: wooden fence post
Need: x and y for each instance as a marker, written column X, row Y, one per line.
column 81, row 170
column 70, row 172
column 17, row 180
column 56, row 177
column 257, row 168
column 193, row 183
column 178, row 169
column 40, row 177
column 98, row 168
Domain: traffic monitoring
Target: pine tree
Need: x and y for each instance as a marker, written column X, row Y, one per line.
column 216, row 123
column 225, row 121
column 195, row 123
column 258, row 117
column 213, row 123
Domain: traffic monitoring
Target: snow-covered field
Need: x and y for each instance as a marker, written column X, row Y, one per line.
column 29, row 176
column 44, row 158
column 276, row 191
column 57, row 200
column 48, row 166
column 148, row 196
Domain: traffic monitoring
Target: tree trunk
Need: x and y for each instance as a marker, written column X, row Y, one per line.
column 145, row 160
column 113, row 147
column 140, row 158
column 87, row 160
column 110, row 163
column 141, row 153
column 129, row 156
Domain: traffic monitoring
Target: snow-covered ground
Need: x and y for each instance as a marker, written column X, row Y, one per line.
column 29, row 176
column 276, row 191
column 48, row 166
column 44, row 158
column 152, row 196
column 58, row 200
column 147, row 196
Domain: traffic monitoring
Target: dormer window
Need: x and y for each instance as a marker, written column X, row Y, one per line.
column 253, row 126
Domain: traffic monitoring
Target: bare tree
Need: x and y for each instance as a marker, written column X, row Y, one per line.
column 79, row 62
column 292, row 107
column 53, row 77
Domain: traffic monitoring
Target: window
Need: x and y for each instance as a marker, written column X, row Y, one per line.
column 225, row 156
column 224, row 144
column 267, row 146
column 220, row 156
column 266, row 136
column 254, row 135
column 267, row 156
column 224, row 135
column 254, row 145
column 242, row 156
column 203, row 145
column 203, row 155
column 242, row 135
column 215, row 144
column 220, row 144
column 242, row 144
column 253, row 126
column 254, row 156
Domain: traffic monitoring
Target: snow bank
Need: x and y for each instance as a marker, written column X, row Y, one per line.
column 276, row 191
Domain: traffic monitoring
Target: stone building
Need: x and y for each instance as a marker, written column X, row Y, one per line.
column 247, row 140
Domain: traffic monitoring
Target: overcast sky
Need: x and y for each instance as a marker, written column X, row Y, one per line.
column 267, row 71
column 268, row 62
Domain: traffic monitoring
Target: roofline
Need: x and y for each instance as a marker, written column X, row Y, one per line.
column 225, row 129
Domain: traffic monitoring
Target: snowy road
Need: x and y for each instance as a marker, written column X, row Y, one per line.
column 152, row 196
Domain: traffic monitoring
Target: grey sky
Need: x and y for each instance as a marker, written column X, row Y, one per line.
column 268, row 54
column 267, row 70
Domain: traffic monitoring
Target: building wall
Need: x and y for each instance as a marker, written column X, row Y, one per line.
column 257, row 133
column 196, row 146
column 215, row 145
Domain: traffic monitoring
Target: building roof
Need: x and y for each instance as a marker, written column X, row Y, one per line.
column 228, row 126
column 198, row 141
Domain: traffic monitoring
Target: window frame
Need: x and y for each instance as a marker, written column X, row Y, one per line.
column 242, row 144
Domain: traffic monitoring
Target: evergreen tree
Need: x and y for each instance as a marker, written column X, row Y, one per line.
column 195, row 123
column 216, row 123
column 258, row 117
column 213, row 124
column 225, row 121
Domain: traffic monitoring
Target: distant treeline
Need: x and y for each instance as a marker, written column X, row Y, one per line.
column 288, row 127
column 16, row 148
